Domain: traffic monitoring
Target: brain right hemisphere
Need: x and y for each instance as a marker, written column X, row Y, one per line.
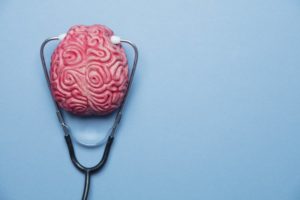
column 89, row 74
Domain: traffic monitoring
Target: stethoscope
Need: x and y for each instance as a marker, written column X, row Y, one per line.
column 88, row 171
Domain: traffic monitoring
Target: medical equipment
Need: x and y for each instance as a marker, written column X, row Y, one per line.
column 88, row 171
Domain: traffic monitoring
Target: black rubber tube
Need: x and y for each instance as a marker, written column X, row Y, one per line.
column 86, row 185
column 88, row 171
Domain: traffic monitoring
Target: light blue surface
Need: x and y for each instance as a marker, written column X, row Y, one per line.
column 214, row 112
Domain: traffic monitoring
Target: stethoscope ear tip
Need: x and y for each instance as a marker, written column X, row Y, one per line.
column 61, row 36
column 115, row 39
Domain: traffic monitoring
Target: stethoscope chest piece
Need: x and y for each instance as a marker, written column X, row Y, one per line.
column 89, row 75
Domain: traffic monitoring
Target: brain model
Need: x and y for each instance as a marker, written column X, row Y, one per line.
column 89, row 74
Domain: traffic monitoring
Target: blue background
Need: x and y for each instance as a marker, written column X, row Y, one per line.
column 213, row 113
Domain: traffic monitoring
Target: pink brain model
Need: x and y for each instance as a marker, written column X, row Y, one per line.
column 89, row 74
